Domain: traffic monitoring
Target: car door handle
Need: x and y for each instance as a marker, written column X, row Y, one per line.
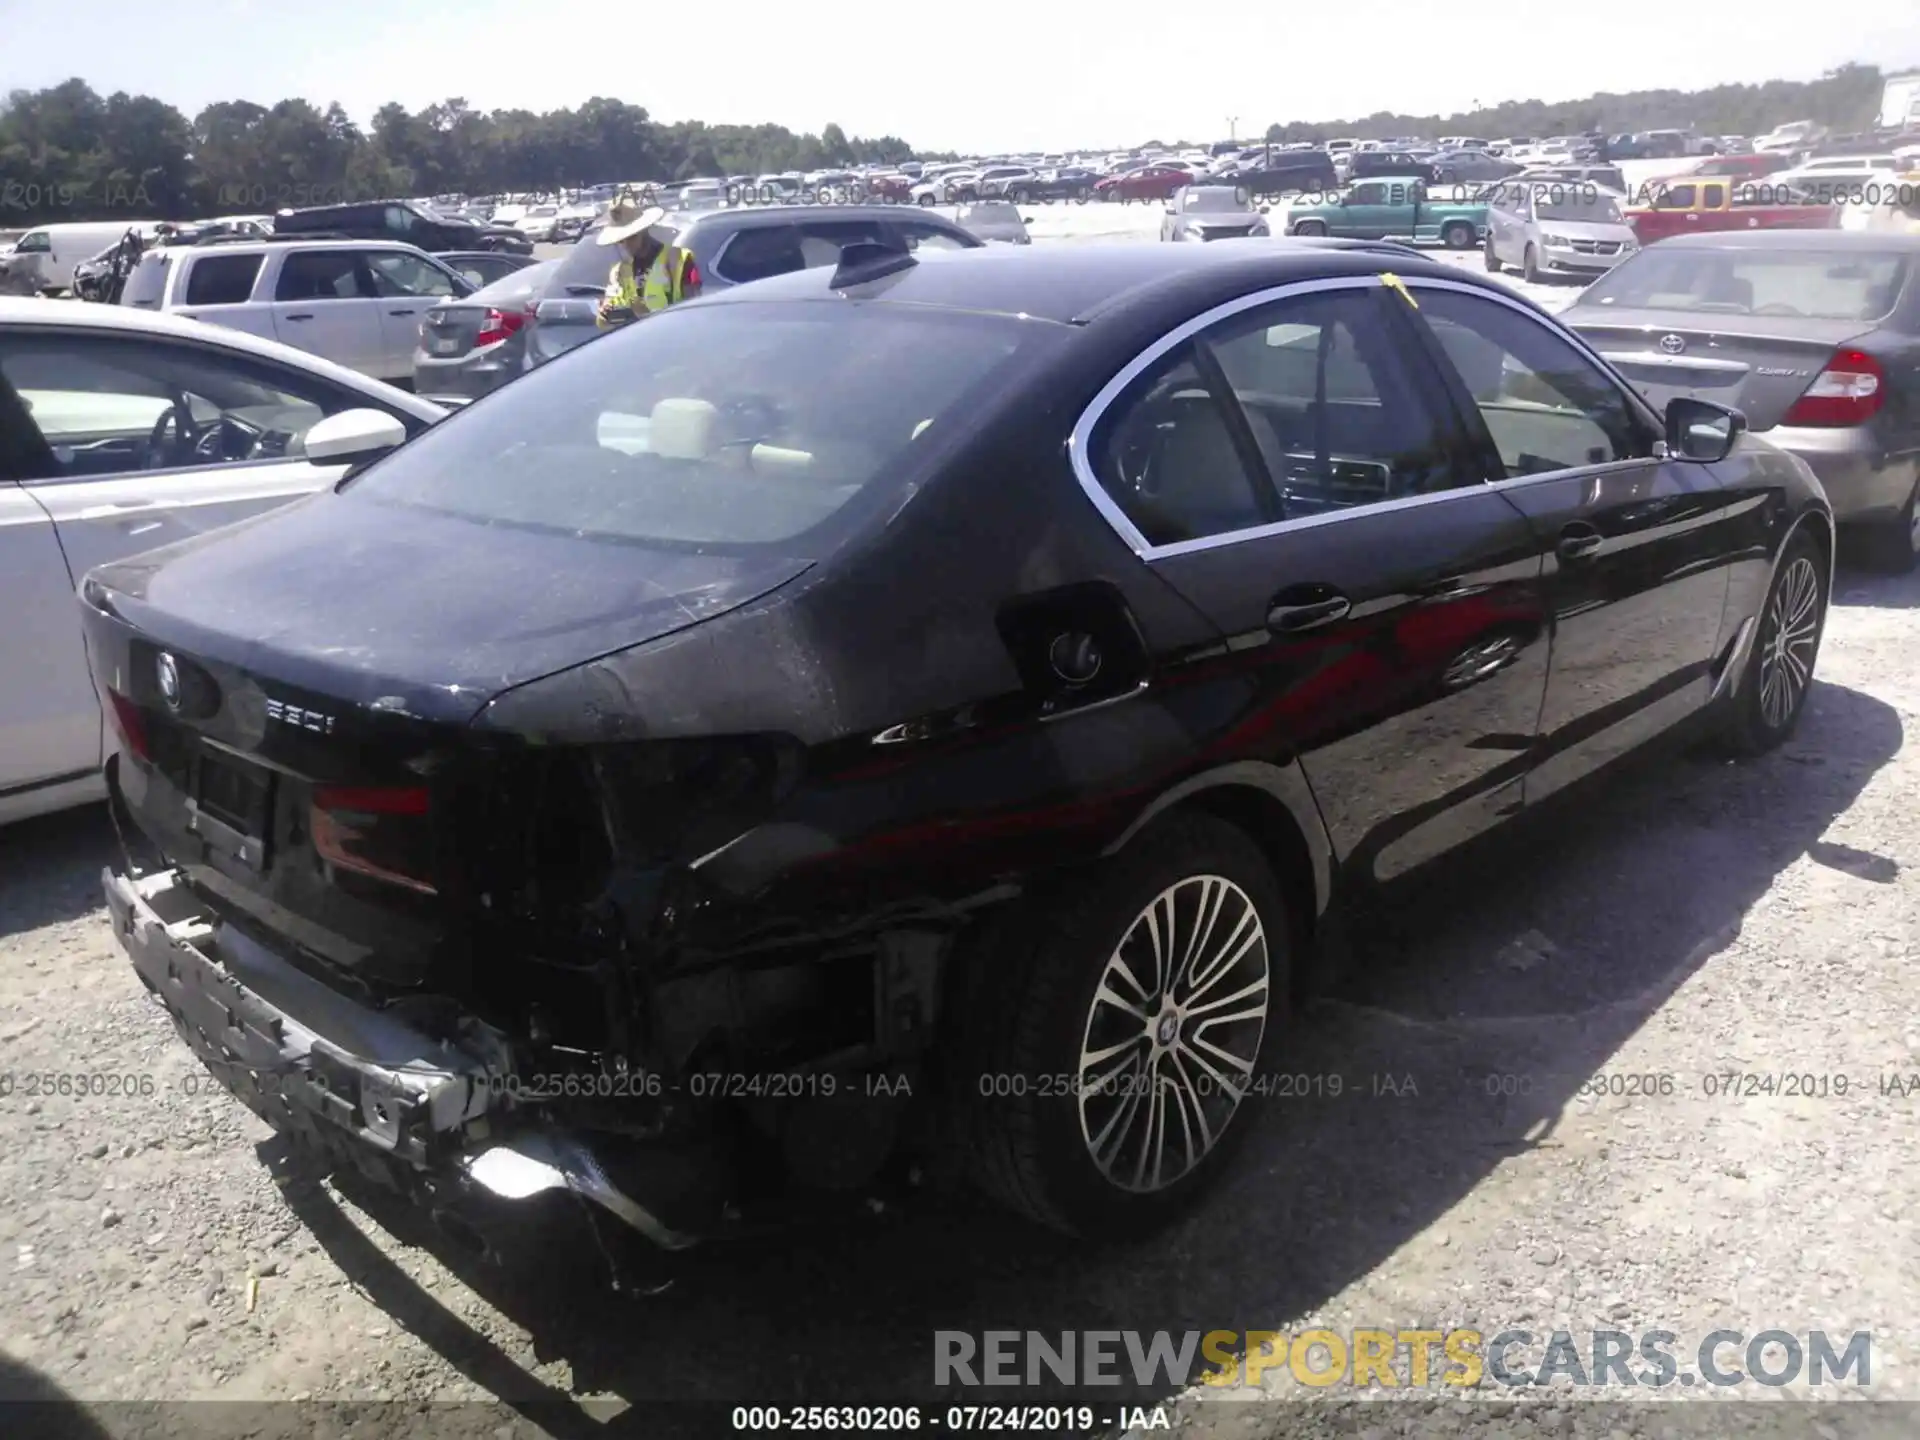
column 1579, row 542
column 296, row 317
column 1292, row 619
column 403, row 312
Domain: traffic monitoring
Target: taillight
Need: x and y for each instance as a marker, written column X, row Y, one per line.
column 378, row 831
column 1850, row 391
column 130, row 725
column 497, row 325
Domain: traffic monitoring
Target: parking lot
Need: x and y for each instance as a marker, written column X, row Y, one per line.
column 1697, row 919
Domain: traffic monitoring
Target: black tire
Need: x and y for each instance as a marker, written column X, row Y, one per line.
column 1755, row 720
column 1310, row 227
column 1020, row 197
column 928, row 201
column 1896, row 543
column 1457, row 236
column 1035, row 1009
column 1530, row 266
column 1494, row 267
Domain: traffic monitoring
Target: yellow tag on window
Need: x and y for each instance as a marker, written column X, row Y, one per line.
column 1394, row 282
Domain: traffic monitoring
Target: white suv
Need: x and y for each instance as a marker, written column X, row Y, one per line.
column 358, row 303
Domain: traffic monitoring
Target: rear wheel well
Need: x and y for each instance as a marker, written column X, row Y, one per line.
column 1272, row 828
column 1820, row 527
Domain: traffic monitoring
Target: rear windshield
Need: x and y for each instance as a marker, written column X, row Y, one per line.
column 1805, row 285
column 587, row 265
column 1215, row 197
column 712, row 427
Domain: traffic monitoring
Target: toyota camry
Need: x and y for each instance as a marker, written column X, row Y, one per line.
column 935, row 708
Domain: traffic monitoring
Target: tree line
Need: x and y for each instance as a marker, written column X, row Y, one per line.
column 69, row 153
column 1845, row 100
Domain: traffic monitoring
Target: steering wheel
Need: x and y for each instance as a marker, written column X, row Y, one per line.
column 1775, row 307
column 164, row 449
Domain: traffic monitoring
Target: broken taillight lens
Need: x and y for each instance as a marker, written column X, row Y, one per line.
column 383, row 832
column 498, row 325
column 130, row 725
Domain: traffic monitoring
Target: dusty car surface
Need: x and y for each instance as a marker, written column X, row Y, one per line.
column 932, row 709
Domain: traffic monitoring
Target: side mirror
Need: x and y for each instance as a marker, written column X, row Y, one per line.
column 1026, row 220
column 353, row 436
column 1700, row 430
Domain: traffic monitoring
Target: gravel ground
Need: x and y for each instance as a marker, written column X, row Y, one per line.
column 1697, row 918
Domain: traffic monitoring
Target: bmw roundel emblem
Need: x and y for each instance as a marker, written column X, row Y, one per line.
column 167, row 671
column 1672, row 344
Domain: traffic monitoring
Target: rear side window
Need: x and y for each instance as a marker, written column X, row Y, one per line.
column 760, row 254
column 921, row 236
column 320, row 275
column 222, row 279
column 719, row 426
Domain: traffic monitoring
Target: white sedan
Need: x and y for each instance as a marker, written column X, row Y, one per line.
column 122, row 431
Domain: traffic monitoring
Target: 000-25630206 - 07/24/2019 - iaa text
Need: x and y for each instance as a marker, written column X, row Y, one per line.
column 956, row 1419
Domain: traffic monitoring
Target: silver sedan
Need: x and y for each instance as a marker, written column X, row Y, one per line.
column 1212, row 212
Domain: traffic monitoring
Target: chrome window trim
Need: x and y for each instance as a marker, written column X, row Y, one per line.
column 1079, row 443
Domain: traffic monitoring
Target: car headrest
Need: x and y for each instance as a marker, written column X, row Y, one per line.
column 682, row 429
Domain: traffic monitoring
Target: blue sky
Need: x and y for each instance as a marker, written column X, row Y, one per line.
column 962, row 74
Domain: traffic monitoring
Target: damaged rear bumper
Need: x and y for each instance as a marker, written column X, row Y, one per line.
column 359, row 1085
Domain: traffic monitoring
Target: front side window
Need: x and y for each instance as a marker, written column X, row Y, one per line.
column 395, row 274
column 38, row 243
column 1546, row 406
column 103, row 405
column 713, row 427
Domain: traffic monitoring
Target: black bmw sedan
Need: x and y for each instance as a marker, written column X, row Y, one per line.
column 933, row 707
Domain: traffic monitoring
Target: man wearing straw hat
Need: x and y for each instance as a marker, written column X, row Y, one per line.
column 651, row 274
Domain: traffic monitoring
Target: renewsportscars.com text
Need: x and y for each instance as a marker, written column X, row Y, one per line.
column 1400, row 1358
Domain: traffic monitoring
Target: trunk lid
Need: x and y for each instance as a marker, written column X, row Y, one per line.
column 450, row 331
column 416, row 612
column 294, row 697
column 1747, row 361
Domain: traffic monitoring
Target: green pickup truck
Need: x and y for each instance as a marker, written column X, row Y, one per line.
column 1389, row 207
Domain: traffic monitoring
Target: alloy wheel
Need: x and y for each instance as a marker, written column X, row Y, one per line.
column 1789, row 643
column 1173, row 1034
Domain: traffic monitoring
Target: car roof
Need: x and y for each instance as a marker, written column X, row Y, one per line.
column 85, row 315
column 748, row 216
column 248, row 247
column 1835, row 240
column 1073, row 284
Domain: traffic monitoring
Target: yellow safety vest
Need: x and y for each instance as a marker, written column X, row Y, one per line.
column 664, row 284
